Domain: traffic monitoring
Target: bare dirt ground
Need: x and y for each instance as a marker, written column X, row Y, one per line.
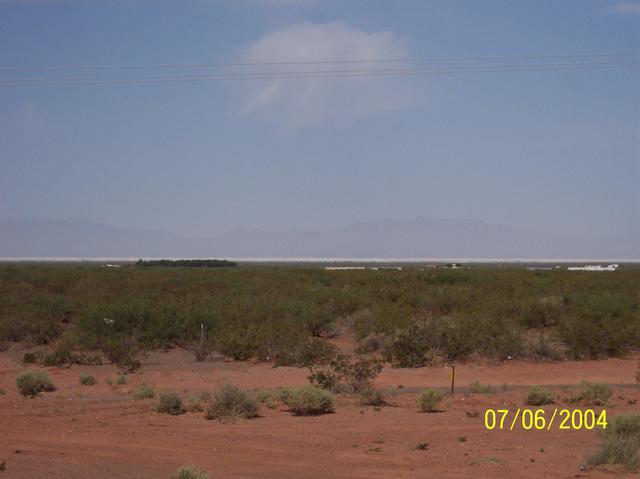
column 102, row 432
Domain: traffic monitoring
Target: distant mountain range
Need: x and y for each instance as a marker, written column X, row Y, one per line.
column 384, row 238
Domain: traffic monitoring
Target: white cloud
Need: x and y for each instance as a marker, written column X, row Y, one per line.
column 629, row 8
column 297, row 103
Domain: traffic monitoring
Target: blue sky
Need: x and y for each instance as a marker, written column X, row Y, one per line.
column 551, row 151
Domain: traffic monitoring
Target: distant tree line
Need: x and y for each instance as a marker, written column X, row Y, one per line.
column 188, row 263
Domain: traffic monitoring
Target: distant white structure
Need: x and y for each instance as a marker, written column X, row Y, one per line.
column 594, row 267
column 372, row 268
column 343, row 268
column 453, row 266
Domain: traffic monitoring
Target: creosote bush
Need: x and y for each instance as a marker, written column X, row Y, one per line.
column 372, row 397
column 170, row 403
column 189, row 472
column 346, row 374
column 429, row 399
column 283, row 314
column 32, row 383
column 476, row 388
column 268, row 398
column 308, row 400
column 87, row 380
column 230, row 403
column 144, row 392
column 621, row 443
column 591, row 394
column 538, row 396
column 29, row 358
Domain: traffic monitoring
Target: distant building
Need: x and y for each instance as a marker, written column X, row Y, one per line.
column 594, row 267
column 343, row 268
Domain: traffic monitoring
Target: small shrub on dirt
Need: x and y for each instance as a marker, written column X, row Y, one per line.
column 32, row 383
column 422, row 446
column 371, row 344
column 429, row 399
column 268, row 398
column 345, row 374
column 87, row 380
column 230, row 403
column 61, row 357
column 407, row 348
column 591, row 394
column 538, row 396
column 372, row 397
column 194, row 405
column 621, row 444
column 476, row 388
column 309, row 400
column 122, row 380
column 144, row 392
column 2, row 392
column 123, row 352
column 170, row 403
column 29, row 358
column 189, row 472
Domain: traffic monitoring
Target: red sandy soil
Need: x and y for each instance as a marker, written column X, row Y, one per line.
column 102, row 432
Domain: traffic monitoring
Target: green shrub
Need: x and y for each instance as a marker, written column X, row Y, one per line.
column 87, row 380
column 621, row 443
column 170, row 403
column 408, row 348
column 273, row 313
column 29, row 358
column 476, row 388
column 32, row 383
column 230, row 403
column 60, row 357
column 538, row 396
column 592, row 394
column 189, row 472
column 370, row 344
column 309, row 400
column 429, row 399
column 122, row 351
column 122, row 380
column 144, row 392
column 314, row 351
column 268, row 398
column 345, row 374
column 372, row 397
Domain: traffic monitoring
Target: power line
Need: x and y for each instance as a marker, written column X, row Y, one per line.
column 309, row 62
column 316, row 74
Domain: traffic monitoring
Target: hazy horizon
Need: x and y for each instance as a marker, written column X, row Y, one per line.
column 382, row 238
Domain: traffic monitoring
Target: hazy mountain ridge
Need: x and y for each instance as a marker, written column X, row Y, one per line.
column 382, row 238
